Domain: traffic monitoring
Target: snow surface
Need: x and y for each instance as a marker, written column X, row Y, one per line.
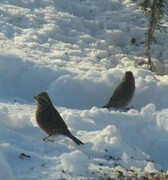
column 78, row 51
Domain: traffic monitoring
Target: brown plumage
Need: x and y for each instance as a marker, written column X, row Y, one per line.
column 123, row 93
column 49, row 119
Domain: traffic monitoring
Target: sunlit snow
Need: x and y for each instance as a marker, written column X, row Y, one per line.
column 78, row 52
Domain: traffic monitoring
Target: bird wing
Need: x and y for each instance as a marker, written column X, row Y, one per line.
column 121, row 95
column 58, row 123
column 120, row 91
column 52, row 122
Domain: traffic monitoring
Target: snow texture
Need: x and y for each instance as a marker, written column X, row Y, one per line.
column 78, row 52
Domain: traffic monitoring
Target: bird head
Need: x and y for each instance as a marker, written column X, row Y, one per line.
column 43, row 99
column 128, row 76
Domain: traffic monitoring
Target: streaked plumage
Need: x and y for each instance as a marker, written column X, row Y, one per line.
column 124, row 92
column 49, row 119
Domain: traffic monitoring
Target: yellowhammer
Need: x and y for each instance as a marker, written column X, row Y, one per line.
column 50, row 120
column 123, row 93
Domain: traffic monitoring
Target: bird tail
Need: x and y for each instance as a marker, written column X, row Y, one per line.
column 106, row 106
column 77, row 141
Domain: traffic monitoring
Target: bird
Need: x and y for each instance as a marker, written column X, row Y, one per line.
column 49, row 119
column 123, row 93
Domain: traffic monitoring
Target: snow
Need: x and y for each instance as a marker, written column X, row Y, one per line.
column 6, row 172
column 78, row 52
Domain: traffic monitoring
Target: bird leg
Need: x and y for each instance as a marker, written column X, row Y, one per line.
column 127, row 108
column 49, row 139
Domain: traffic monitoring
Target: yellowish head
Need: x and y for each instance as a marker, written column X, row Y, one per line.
column 42, row 99
column 128, row 76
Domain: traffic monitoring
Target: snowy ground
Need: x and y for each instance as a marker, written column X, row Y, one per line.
column 78, row 51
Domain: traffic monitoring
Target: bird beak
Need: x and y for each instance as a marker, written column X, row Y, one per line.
column 35, row 97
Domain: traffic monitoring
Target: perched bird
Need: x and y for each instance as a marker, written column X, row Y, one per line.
column 49, row 119
column 123, row 93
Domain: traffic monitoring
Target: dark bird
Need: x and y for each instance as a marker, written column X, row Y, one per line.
column 123, row 93
column 49, row 119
